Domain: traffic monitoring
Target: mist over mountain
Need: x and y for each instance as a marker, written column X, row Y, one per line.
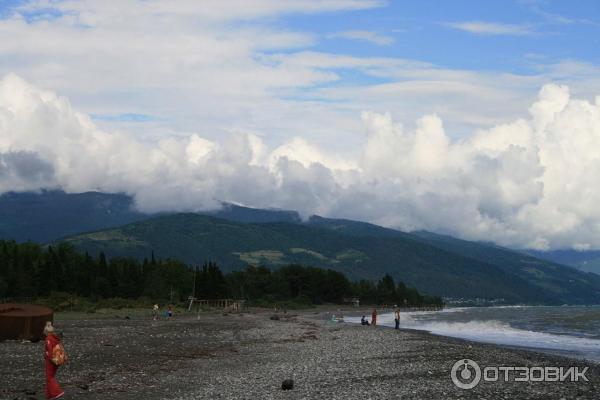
column 49, row 215
column 235, row 236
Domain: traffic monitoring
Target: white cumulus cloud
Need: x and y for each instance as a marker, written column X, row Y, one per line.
column 531, row 182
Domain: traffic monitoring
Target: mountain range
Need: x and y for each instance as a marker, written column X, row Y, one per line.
column 236, row 236
column 583, row 260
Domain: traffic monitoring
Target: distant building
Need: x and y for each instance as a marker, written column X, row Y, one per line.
column 355, row 301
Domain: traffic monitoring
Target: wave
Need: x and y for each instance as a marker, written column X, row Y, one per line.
column 496, row 332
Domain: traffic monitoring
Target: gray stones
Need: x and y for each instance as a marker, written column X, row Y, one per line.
column 219, row 358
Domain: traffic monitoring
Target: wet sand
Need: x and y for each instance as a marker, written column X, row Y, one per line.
column 248, row 355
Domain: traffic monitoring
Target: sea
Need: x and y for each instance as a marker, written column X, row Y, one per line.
column 572, row 331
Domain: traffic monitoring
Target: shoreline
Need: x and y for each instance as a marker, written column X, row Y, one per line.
column 543, row 350
column 536, row 350
column 248, row 355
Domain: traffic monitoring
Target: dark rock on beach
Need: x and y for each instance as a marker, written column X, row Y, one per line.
column 288, row 384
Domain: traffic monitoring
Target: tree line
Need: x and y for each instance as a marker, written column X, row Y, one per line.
column 31, row 270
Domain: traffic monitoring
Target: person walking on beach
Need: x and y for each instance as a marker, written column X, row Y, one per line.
column 55, row 356
column 374, row 317
column 397, row 317
column 155, row 312
column 170, row 311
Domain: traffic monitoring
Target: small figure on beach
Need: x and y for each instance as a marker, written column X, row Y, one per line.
column 397, row 317
column 170, row 311
column 374, row 317
column 55, row 356
column 155, row 312
column 364, row 321
column 335, row 319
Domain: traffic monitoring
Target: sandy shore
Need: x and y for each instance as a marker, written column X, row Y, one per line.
column 247, row 356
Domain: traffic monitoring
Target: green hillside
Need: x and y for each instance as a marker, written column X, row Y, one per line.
column 51, row 215
column 548, row 275
column 195, row 238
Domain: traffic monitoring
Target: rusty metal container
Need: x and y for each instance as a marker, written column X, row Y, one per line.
column 23, row 321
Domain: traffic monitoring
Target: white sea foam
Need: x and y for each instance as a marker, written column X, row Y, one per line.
column 493, row 331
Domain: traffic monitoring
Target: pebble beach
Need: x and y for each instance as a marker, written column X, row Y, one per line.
column 248, row 356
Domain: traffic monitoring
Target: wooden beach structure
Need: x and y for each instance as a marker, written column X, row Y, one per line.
column 23, row 321
column 354, row 301
column 224, row 304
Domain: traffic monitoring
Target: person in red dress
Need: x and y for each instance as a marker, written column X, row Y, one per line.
column 53, row 390
column 374, row 318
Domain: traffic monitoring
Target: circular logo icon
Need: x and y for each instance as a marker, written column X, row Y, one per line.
column 465, row 374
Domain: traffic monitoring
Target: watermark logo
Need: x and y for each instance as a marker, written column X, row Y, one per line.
column 466, row 374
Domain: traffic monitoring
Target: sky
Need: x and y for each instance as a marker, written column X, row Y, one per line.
column 475, row 119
